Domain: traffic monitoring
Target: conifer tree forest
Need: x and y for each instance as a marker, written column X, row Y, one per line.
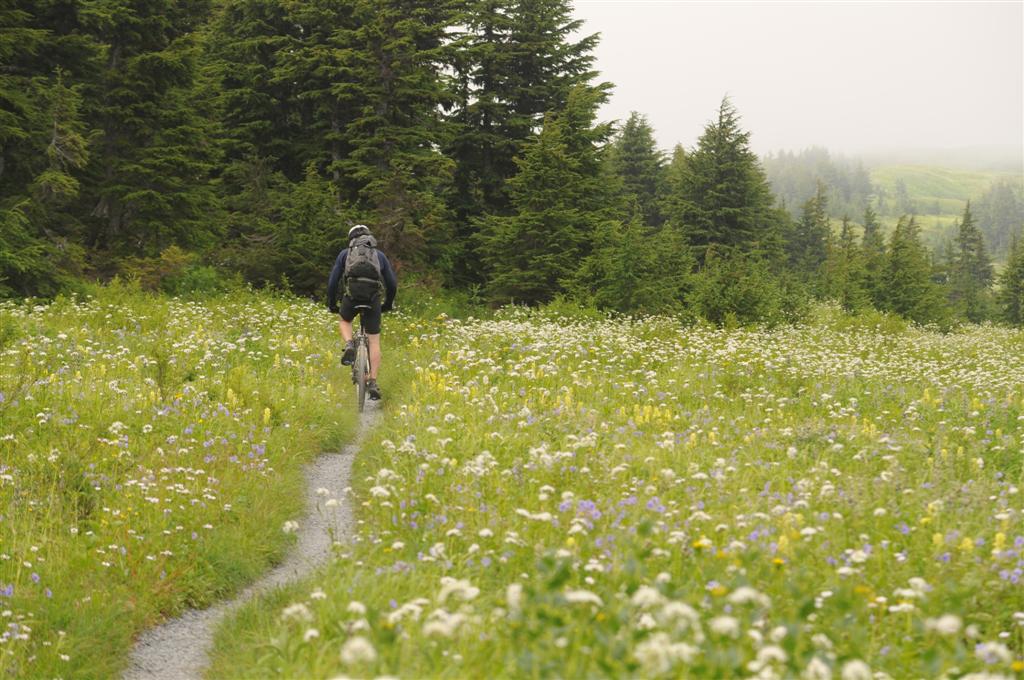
column 186, row 143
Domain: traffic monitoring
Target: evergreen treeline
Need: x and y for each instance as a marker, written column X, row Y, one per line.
column 795, row 177
column 176, row 140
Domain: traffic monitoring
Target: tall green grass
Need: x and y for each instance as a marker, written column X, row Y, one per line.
column 150, row 450
column 578, row 497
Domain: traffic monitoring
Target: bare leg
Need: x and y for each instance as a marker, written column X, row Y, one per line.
column 374, row 341
column 345, row 328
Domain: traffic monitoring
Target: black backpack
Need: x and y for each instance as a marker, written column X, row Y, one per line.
column 362, row 279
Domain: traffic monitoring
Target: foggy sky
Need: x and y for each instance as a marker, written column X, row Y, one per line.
column 853, row 77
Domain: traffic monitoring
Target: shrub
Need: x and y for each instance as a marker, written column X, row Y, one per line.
column 735, row 289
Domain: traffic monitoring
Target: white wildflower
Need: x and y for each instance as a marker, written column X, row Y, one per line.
column 855, row 669
column 646, row 597
column 947, row 624
column 357, row 650
column 817, row 670
column 726, row 626
column 460, row 588
column 658, row 654
column 746, row 594
column 442, row 624
column 582, row 597
column 646, row 622
column 993, row 652
column 297, row 612
column 514, row 597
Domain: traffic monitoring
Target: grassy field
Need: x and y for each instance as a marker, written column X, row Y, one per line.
column 150, row 450
column 577, row 497
column 939, row 194
column 927, row 185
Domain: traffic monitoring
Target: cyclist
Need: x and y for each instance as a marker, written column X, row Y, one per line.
column 366, row 276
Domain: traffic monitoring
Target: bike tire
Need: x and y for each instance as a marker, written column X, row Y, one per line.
column 361, row 369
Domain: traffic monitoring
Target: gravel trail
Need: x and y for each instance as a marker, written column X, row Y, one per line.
column 178, row 649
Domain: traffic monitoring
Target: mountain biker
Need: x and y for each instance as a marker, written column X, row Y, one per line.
column 366, row 277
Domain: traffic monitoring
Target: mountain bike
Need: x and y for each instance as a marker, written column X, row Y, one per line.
column 361, row 366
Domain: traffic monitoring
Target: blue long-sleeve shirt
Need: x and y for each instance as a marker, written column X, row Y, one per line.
column 386, row 272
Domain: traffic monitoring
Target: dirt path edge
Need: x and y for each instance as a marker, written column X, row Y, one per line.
column 179, row 648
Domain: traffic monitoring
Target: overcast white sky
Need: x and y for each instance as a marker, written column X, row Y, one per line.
column 851, row 76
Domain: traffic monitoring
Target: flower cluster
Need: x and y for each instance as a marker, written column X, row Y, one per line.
column 578, row 497
column 145, row 445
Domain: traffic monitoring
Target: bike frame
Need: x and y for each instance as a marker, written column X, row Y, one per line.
column 361, row 365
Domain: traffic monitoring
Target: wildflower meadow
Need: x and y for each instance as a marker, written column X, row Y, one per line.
column 150, row 451
column 584, row 497
column 548, row 494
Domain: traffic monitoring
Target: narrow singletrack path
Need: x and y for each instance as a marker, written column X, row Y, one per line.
column 179, row 648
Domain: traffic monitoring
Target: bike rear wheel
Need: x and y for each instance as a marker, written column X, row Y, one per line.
column 361, row 372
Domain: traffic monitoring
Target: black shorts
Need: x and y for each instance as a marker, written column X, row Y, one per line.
column 370, row 316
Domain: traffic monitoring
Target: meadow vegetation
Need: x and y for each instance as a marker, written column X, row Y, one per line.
column 150, row 450
column 570, row 495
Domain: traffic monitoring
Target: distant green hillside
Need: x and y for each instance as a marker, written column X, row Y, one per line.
column 938, row 195
column 929, row 187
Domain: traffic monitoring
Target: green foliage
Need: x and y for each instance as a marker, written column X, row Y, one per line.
column 394, row 162
column 1000, row 212
column 809, row 239
column 635, row 158
column 1011, row 285
column 795, row 179
column 725, row 195
column 907, row 281
column 175, row 272
column 559, row 196
column 515, row 61
column 636, row 270
column 734, row 288
column 875, row 258
column 971, row 275
column 423, row 296
column 23, row 258
column 308, row 233
column 863, row 320
column 148, row 176
column 844, row 273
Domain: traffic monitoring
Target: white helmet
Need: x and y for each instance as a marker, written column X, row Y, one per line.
column 358, row 230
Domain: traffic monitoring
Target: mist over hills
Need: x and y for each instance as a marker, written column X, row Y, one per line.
column 995, row 158
column 933, row 185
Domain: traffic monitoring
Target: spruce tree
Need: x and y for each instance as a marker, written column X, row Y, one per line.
column 395, row 163
column 675, row 206
column 908, row 289
column 1011, row 285
column 874, row 254
column 44, row 144
column 529, row 255
column 635, row 269
column 971, row 274
column 844, row 270
column 635, row 158
column 261, row 111
column 559, row 196
column 1000, row 214
column 148, row 173
column 726, row 194
column 808, row 243
column 515, row 61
